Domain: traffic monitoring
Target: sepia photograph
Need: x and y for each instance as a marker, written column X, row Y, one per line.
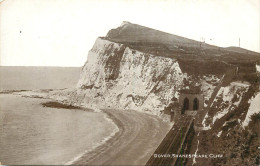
column 130, row 82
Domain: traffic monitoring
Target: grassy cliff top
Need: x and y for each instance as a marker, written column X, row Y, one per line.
column 160, row 43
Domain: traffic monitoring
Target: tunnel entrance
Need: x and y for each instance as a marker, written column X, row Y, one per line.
column 195, row 104
column 185, row 105
column 190, row 101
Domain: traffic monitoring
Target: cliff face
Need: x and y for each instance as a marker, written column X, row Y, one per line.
column 128, row 69
column 120, row 77
column 117, row 76
column 234, row 127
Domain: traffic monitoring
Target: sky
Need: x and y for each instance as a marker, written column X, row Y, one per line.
column 61, row 32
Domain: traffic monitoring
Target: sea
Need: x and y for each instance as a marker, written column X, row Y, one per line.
column 33, row 78
column 31, row 134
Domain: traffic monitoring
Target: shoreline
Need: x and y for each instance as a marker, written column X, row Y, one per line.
column 104, row 140
column 108, row 117
column 58, row 104
column 130, row 127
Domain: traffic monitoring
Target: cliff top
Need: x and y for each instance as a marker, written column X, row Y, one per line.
column 129, row 32
column 160, row 43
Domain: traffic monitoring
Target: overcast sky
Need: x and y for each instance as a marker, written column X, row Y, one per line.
column 61, row 32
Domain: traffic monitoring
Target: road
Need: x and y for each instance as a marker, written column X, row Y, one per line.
column 138, row 137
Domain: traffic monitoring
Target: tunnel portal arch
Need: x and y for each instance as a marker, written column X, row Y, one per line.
column 185, row 104
column 195, row 104
column 191, row 102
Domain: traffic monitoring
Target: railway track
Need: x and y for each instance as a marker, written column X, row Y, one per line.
column 172, row 143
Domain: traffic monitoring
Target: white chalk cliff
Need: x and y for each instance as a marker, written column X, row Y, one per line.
column 120, row 77
column 130, row 69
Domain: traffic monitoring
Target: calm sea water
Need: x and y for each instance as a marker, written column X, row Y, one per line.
column 30, row 78
column 32, row 134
